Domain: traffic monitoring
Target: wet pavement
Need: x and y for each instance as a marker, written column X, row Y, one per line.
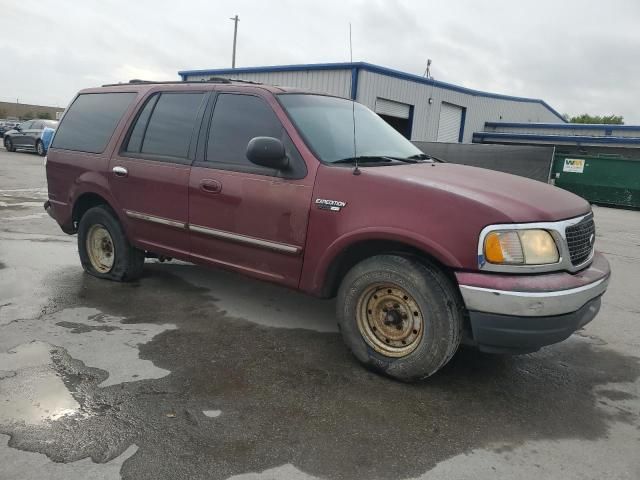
column 194, row 373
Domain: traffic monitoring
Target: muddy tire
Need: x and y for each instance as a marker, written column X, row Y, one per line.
column 104, row 249
column 399, row 316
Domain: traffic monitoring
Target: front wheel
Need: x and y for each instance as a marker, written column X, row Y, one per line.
column 104, row 249
column 399, row 316
column 8, row 144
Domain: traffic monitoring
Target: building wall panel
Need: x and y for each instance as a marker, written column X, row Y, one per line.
column 333, row 82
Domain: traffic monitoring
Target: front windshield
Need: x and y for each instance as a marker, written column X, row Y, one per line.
column 326, row 123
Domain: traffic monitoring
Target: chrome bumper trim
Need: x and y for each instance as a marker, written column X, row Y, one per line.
column 531, row 304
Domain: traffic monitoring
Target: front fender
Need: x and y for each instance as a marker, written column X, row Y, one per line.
column 314, row 276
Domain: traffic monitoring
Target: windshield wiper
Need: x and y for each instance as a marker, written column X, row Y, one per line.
column 365, row 159
column 376, row 159
column 424, row 156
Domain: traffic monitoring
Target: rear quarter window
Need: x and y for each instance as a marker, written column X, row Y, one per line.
column 90, row 121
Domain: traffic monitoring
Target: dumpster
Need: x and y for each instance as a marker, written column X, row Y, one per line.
column 600, row 179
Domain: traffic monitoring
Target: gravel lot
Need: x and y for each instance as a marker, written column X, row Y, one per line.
column 193, row 373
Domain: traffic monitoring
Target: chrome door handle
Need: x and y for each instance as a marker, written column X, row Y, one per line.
column 210, row 186
column 120, row 171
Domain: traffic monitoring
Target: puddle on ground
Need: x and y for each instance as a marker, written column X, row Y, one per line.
column 293, row 396
column 34, row 392
column 212, row 413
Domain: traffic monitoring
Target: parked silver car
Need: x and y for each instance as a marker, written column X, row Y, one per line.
column 28, row 136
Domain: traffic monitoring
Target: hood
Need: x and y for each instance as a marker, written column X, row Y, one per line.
column 519, row 199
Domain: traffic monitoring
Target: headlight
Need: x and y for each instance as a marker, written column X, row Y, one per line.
column 520, row 247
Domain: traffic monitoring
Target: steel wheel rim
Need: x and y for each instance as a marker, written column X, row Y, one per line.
column 390, row 320
column 100, row 248
column 40, row 148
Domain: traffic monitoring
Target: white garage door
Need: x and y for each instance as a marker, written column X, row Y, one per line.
column 391, row 108
column 450, row 122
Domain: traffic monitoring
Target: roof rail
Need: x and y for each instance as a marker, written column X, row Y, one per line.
column 137, row 81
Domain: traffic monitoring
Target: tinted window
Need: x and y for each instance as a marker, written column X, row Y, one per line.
column 171, row 124
column 26, row 125
column 236, row 120
column 38, row 126
column 135, row 139
column 90, row 121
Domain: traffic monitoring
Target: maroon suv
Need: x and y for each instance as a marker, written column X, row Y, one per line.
column 319, row 194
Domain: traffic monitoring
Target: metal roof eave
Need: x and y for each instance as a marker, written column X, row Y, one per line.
column 563, row 126
column 389, row 72
column 574, row 139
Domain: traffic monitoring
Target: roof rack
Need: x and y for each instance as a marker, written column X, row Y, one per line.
column 137, row 81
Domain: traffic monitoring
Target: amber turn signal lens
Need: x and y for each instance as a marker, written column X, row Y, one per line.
column 493, row 249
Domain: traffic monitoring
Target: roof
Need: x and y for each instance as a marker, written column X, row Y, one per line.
column 564, row 126
column 389, row 72
column 555, row 139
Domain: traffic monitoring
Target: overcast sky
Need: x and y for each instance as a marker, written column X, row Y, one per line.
column 579, row 56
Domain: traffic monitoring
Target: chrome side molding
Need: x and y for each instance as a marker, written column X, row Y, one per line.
column 222, row 234
column 256, row 242
column 154, row 219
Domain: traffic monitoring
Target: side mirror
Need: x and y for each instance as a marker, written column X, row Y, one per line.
column 17, row 127
column 267, row 152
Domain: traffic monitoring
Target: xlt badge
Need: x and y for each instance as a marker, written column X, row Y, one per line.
column 333, row 205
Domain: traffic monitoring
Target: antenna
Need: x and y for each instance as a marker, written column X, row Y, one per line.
column 356, row 170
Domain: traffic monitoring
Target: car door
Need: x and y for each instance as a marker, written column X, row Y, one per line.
column 33, row 134
column 19, row 137
column 150, row 173
column 241, row 216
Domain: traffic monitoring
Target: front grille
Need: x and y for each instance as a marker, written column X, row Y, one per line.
column 580, row 239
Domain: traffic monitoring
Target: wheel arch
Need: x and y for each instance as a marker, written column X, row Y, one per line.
column 339, row 260
column 84, row 202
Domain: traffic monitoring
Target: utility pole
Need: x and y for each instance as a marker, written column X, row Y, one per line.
column 427, row 72
column 235, row 19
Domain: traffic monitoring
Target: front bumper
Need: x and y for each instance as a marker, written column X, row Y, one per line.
column 521, row 313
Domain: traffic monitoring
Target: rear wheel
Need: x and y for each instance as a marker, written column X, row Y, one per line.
column 104, row 249
column 8, row 144
column 399, row 316
column 40, row 148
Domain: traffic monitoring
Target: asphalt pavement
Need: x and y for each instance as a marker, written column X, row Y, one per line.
column 193, row 373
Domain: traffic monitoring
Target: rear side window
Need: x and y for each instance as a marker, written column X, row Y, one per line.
column 236, row 120
column 91, row 120
column 135, row 139
column 165, row 125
